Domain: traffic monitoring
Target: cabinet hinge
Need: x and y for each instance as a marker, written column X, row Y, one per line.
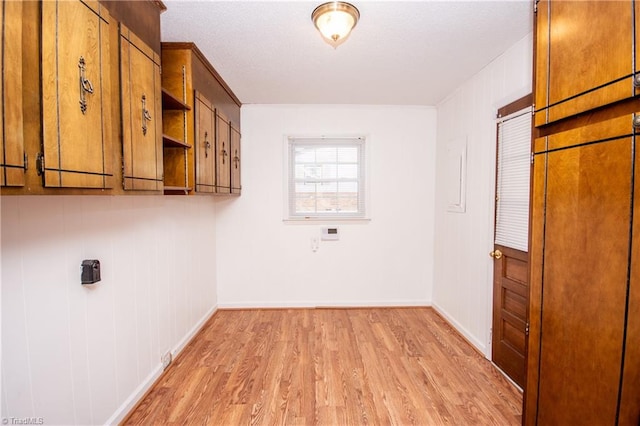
column 535, row 6
column 532, row 157
column 40, row 163
column 526, row 329
column 26, row 161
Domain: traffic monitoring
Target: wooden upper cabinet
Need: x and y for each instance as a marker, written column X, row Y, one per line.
column 12, row 154
column 199, row 117
column 141, row 113
column 77, row 96
column 584, row 56
column 205, row 148
column 223, row 156
column 236, row 156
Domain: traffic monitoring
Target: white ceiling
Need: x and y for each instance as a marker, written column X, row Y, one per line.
column 400, row 53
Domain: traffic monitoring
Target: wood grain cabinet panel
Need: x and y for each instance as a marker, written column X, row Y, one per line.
column 141, row 114
column 205, row 145
column 77, row 97
column 583, row 182
column 12, row 154
column 223, row 154
column 236, row 161
column 630, row 398
column 584, row 56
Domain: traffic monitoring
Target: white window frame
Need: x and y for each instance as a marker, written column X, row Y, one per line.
column 289, row 179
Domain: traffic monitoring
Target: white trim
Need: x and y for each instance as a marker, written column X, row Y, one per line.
column 146, row 384
column 460, row 329
column 457, row 166
column 332, row 304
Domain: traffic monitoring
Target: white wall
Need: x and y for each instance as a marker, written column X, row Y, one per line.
column 463, row 269
column 263, row 261
column 75, row 354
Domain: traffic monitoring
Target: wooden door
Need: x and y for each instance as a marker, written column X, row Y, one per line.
column 580, row 253
column 584, row 56
column 510, row 303
column 223, row 159
column 205, row 150
column 12, row 159
column 236, row 162
column 511, row 265
column 141, row 114
column 76, row 93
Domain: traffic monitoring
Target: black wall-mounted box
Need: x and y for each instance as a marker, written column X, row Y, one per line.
column 90, row 271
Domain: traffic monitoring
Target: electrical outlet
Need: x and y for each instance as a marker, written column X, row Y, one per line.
column 315, row 243
column 166, row 360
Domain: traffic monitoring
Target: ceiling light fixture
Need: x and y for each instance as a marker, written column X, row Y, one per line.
column 335, row 20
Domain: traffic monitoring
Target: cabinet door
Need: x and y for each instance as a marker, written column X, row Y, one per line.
column 584, row 56
column 630, row 403
column 580, row 252
column 236, row 156
column 76, row 90
column 223, row 160
column 205, row 151
column 141, row 114
column 12, row 161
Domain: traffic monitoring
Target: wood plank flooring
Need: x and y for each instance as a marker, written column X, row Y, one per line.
column 402, row 366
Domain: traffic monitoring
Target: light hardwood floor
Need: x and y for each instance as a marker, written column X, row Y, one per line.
column 330, row 366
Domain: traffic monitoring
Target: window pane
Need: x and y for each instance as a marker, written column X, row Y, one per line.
column 327, row 204
column 348, row 171
column 348, row 155
column 305, row 187
column 345, row 188
column 304, row 155
column 326, row 155
column 329, row 171
column 348, row 203
column 305, row 204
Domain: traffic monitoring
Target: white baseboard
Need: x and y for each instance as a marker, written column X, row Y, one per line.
column 133, row 399
column 470, row 337
column 323, row 304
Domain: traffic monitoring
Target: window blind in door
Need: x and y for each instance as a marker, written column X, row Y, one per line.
column 512, row 188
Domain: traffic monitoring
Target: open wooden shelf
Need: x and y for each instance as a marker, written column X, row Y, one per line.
column 171, row 142
column 170, row 102
column 176, row 190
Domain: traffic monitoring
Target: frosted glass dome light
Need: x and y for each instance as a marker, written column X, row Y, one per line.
column 335, row 20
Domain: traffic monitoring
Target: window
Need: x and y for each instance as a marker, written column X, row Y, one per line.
column 512, row 189
column 326, row 178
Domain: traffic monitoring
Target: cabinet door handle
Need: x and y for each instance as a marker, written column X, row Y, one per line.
column 85, row 85
column 223, row 154
column 145, row 115
column 236, row 159
column 207, row 145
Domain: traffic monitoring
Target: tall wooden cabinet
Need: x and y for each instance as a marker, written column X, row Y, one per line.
column 583, row 364
column 211, row 112
column 12, row 154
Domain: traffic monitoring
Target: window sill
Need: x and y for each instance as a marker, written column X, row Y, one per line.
column 319, row 220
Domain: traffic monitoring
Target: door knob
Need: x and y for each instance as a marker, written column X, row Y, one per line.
column 496, row 254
